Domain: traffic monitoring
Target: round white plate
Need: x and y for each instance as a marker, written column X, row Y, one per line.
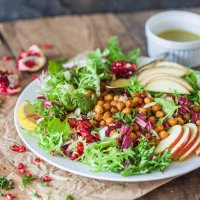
column 175, row 169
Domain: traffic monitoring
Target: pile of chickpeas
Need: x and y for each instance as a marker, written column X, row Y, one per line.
column 109, row 103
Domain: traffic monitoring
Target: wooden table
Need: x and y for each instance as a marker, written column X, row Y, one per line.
column 70, row 35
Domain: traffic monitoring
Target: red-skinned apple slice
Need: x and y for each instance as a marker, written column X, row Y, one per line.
column 192, row 150
column 182, row 142
column 190, row 143
column 198, row 152
column 175, row 134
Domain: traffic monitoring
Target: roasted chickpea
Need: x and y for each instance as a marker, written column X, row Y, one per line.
column 113, row 103
column 143, row 111
column 196, row 108
column 129, row 104
column 159, row 114
column 110, row 120
column 134, row 103
column 163, row 134
column 135, row 127
column 172, row 121
column 152, row 119
column 148, row 136
column 180, row 120
column 120, row 105
column 156, row 107
column 148, row 100
column 116, row 98
column 109, row 97
column 133, row 135
column 138, row 133
column 186, row 116
column 98, row 117
column 106, row 115
column 198, row 122
column 99, row 109
column 126, row 111
column 102, row 123
column 159, row 127
column 113, row 110
column 100, row 102
column 137, row 94
column 140, row 101
column 136, row 100
column 106, row 106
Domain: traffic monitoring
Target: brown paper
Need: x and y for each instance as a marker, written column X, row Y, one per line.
column 63, row 183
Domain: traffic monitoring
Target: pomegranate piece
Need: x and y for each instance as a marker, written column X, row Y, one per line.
column 73, row 156
column 9, row 82
column 47, row 46
column 123, row 69
column 20, row 166
column 32, row 60
column 47, row 179
column 6, row 58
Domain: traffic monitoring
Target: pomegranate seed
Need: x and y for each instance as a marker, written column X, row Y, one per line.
column 22, row 149
column 33, row 77
column 20, row 166
column 30, row 63
column 6, row 58
column 29, row 174
column 15, row 148
column 47, row 179
column 47, row 46
column 80, row 148
column 73, row 156
column 37, row 159
column 143, row 95
column 118, row 140
column 9, row 196
column 96, row 136
column 22, row 171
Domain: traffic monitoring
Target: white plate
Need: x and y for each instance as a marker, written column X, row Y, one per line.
column 175, row 169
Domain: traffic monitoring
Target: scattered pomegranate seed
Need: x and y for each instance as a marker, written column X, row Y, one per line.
column 37, row 159
column 22, row 149
column 15, row 148
column 118, row 140
column 22, row 171
column 6, row 58
column 47, row 46
column 80, row 148
column 9, row 196
column 47, row 179
column 20, row 166
column 29, row 174
column 33, row 77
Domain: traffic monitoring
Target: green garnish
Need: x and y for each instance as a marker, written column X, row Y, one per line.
column 6, row 184
column 128, row 119
column 26, row 179
column 69, row 197
column 107, row 156
column 134, row 86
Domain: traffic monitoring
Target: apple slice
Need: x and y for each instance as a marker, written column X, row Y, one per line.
column 171, row 65
column 160, row 70
column 198, row 152
column 192, row 150
column 179, row 80
column 175, row 134
column 182, row 142
column 190, row 143
column 167, row 86
column 119, row 83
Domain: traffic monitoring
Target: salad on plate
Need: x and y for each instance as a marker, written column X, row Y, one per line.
column 113, row 116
